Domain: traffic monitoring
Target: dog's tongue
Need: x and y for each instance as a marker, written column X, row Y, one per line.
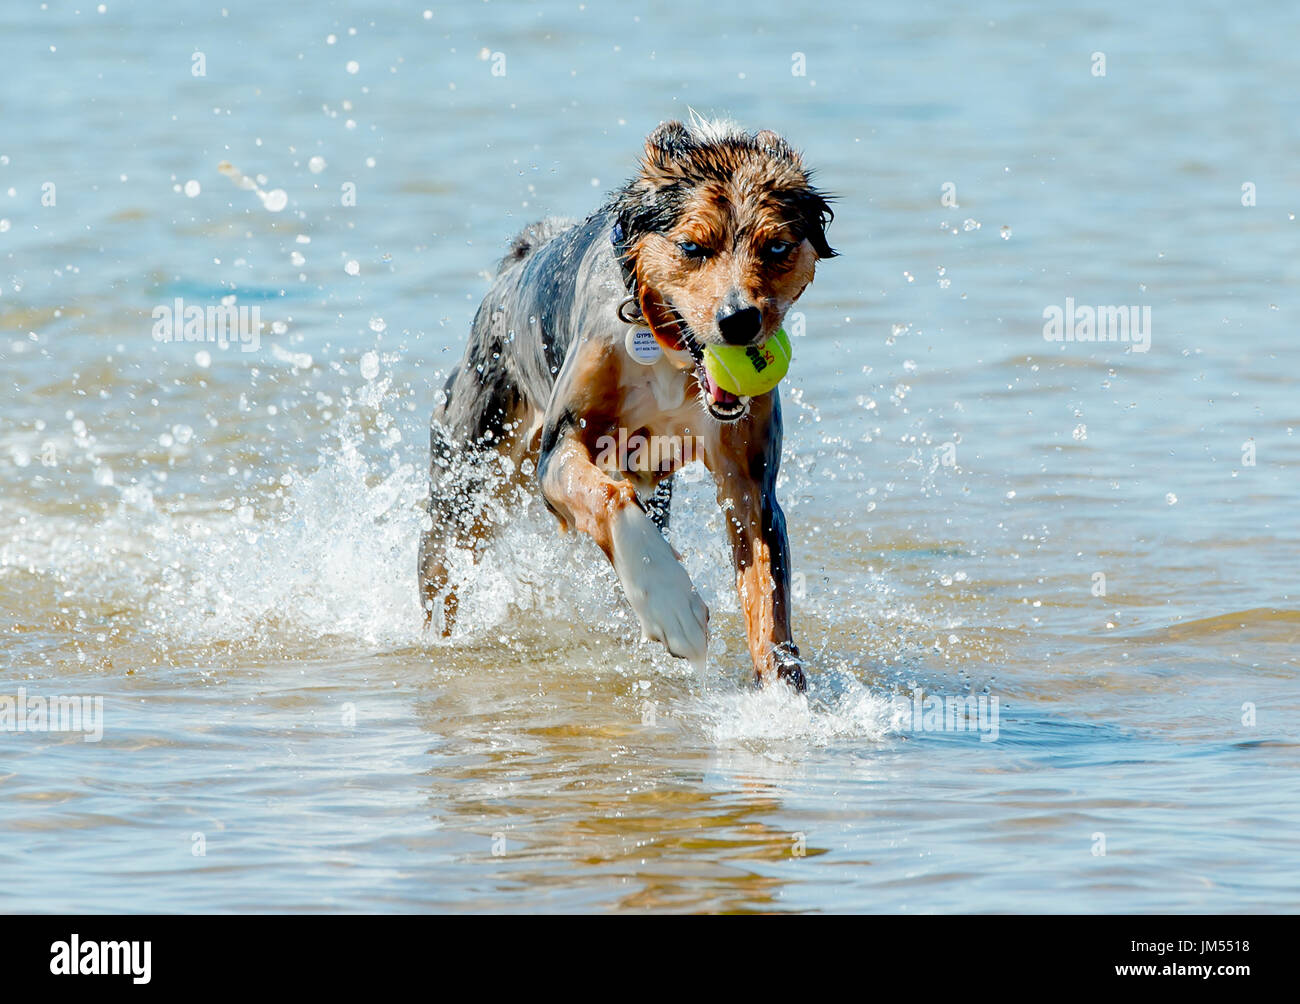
column 717, row 393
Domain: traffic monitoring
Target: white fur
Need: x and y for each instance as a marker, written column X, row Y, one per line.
column 660, row 591
column 711, row 130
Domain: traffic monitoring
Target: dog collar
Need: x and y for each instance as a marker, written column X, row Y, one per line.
column 629, row 309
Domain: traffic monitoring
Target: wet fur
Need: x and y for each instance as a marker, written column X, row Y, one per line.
column 545, row 375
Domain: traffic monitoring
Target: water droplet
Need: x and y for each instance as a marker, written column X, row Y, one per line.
column 192, row 188
column 274, row 200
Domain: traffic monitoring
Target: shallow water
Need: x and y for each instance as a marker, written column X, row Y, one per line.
column 221, row 544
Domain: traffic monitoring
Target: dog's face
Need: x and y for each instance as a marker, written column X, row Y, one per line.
column 725, row 230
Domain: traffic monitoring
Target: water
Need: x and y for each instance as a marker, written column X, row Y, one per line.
column 221, row 543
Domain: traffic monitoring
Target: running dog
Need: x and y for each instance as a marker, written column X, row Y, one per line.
column 712, row 241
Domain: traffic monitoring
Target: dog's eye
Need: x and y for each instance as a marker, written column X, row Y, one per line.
column 778, row 249
column 693, row 250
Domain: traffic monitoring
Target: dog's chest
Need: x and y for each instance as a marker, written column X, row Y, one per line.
column 656, row 398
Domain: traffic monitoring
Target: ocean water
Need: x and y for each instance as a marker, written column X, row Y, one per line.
column 218, row 543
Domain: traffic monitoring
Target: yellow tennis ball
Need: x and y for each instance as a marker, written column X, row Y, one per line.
column 749, row 370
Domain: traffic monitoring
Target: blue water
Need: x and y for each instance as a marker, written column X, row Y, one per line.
column 221, row 544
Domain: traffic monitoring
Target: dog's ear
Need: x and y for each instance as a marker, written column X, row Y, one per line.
column 813, row 211
column 773, row 145
column 669, row 142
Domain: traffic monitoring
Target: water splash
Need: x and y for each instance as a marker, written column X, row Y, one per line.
column 779, row 724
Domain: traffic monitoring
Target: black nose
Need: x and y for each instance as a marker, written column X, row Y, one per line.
column 740, row 327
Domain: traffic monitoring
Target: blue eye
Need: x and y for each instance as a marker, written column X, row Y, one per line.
column 692, row 250
column 779, row 249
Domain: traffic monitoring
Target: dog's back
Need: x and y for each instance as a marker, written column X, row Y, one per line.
column 537, row 282
column 533, row 237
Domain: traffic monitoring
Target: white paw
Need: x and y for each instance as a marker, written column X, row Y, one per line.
column 660, row 591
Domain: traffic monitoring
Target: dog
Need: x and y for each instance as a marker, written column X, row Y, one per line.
column 715, row 237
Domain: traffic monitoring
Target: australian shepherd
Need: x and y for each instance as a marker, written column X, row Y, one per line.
column 593, row 333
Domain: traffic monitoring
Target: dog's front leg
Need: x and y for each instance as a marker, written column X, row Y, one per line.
column 661, row 594
column 745, row 462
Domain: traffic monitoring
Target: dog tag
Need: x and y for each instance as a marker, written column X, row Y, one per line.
column 643, row 346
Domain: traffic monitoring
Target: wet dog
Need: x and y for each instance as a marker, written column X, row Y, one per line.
column 712, row 241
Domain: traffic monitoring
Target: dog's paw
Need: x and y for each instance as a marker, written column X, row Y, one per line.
column 789, row 667
column 662, row 596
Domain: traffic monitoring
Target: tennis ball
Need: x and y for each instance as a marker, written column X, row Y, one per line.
column 749, row 370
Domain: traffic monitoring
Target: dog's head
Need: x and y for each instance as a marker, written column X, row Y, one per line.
column 723, row 230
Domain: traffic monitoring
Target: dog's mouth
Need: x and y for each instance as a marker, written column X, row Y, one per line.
column 723, row 405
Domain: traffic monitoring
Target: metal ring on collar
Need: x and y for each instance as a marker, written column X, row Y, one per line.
column 635, row 317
